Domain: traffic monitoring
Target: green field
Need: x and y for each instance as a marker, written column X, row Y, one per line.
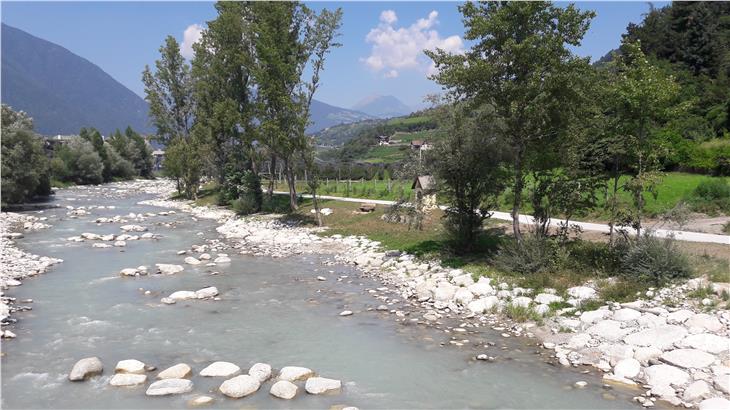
column 674, row 187
column 374, row 189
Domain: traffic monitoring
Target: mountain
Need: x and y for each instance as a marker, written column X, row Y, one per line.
column 62, row 91
column 324, row 116
column 382, row 106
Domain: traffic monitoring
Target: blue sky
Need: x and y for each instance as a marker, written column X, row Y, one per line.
column 381, row 40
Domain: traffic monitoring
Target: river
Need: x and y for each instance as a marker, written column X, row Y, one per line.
column 271, row 310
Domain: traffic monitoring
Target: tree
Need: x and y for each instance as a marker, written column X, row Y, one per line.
column 169, row 92
column 139, row 153
column 521, row 65
column 83, row 164
column 290, row 38
column 25, row 167
column 467, row 166
column 93, row 136
column 223, row 86
column 640, row 98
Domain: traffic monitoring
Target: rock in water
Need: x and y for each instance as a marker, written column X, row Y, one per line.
column 346, row 313
column 321, row 385
column 127, row 379
column 220, row 369
column 178, row 371
column 294, row 373
column 169, row 269
column 192, row 261
column 206, row 293
column 183, row 295
column 260, row 371
column 169, row 386
column 284, row 390
column 240, row 386
column 130, row 366
column 200, row 401
column 85, row 368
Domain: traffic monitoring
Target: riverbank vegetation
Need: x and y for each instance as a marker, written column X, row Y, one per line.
column 31, row 165
column 526, row 125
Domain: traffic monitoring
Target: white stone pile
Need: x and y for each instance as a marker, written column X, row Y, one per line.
column 285, row 385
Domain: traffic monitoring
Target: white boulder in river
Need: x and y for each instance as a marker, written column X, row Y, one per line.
column 240, row 386
column 294, row 373
column 206, row 293
column 130, row 366
column 261, row 371
column 321, row 385
column 284, row 390
column 169, row 386
column 220, row 369
column 178, row 371
column 127, row 379
column 169, row 269
column 85, row 368
column 192, row 261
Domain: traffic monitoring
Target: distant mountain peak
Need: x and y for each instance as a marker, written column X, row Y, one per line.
column 382, row 106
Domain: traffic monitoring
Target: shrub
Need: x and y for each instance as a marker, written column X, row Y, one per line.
column 712, row 195
column 83, row 163
column 245, row 205
column 655, row 260
column 535, row 255
column 118, row 166
column 25, row 170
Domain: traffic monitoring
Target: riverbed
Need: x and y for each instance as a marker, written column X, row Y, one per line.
column 271, row 310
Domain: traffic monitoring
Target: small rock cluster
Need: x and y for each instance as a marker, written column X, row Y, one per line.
column 176, row 379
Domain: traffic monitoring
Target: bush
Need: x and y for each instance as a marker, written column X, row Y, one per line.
column 25, row 168
column 83, row 164
column 711, row 196
column 535, row 255
column 118, row 166
column 241, row 184
column 656, row 260
column 245, row 205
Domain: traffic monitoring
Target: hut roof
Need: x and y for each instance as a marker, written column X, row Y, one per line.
column 426, row 182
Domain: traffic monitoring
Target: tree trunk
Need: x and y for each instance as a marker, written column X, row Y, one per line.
column 272, row 176
column 517, row 200
column 315, row 202
column 612, row 222
column 291, row 181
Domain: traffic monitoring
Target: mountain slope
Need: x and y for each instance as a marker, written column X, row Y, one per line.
column 63, row 91
column 382, row 106
column 324, row 116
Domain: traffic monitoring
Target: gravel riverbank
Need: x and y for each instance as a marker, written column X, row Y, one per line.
column 674, row 348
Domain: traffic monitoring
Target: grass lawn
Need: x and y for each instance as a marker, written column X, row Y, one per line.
column 373, row 189
column 674, row 187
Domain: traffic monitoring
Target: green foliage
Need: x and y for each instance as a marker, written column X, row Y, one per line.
column 243, row 185
column 533, row 255
column 521, row 314
column 25, row 167
column 654, row 260
column 118, row 167
column 521, row 64
column 183, row 163
column 467, row 168
column 711, row 196
column 83, row 165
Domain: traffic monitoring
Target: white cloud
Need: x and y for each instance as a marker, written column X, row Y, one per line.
column 190, row 36
column 397, row 49
column 388, row 17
